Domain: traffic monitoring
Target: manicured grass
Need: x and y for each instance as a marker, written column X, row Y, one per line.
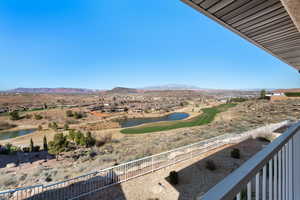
column 206, row 117
column 292, row 94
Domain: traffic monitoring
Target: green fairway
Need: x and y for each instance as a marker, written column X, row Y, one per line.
column 206, row 117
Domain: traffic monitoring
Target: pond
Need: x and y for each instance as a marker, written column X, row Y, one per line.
column 12, row 134
column 138, row 121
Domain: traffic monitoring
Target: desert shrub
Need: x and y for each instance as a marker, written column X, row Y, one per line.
column 66, row 127
column 78, row 115
column 14, row 115
column 53, row 126
column 8, row 149
column 100, row 143
column 265, row 139
column 72, row 134
column 235, row 153
column 72, row 121
column 26, row 149
column 173, row 176
column 89, row 140
column 210, row 165
column 28, row 116
column 103, row 140
column 38, row 117
column 69, row 113
column 15, row 149
column 48, row 179
column 5, row 125
column 238, row 99
column 80, row 139
column 8, row 146
column 36, row 148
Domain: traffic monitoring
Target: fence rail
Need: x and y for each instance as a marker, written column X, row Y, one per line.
column 88, row 184
column 271, row 174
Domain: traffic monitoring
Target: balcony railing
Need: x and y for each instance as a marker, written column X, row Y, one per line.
column 272, row 174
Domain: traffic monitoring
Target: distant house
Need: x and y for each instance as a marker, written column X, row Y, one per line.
column 284, row 94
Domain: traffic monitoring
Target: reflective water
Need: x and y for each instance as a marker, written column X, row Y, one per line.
column 138, row 121
column 12, row 134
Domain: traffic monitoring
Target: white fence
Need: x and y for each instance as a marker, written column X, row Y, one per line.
column 85, row 185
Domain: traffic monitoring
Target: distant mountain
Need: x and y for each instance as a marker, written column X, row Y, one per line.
column 122, row 90
column 53, row 90
column 172, row 87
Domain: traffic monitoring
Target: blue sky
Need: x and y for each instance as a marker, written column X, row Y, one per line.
column 102, row 44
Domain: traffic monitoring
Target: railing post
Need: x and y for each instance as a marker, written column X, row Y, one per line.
column 152, row 164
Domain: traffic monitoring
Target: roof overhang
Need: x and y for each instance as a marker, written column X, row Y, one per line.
column 269, row 24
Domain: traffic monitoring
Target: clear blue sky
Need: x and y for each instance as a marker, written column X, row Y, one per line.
column 101, row 44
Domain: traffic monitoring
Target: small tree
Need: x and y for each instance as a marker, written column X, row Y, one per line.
column 45, row 143
column 40, row 128
column 14, row 115
column 66, row 127
column 31, row 145
column 78, row 115
column 58, row 145
column 54, row 126
column 69, row 113
column 89, row 140
column 263, row 94
column 80, row 139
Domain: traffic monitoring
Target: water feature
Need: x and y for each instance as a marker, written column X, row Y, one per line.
column 12, row 134
column 138, row 121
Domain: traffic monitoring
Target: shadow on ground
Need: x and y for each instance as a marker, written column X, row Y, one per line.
column 84, row 190
column 195, row 180
column 22, row 158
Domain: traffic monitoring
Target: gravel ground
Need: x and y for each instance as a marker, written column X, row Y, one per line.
column 194, row 178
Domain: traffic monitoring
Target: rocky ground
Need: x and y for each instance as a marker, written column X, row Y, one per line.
column 121, row 148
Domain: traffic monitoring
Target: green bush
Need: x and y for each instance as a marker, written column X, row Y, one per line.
column 173, row 176
column 66, row 127
column 235, row 153
column 38, row 117
column 69, row 113
column 28, row 116
column 78, row 115
column 210, row 165
column 14, row 115
column 79, row 138
column 6, row 149
column 26, row 149
column 53, row 126
column 59, row 144
column 89, row 140
column 292, row 94
column 36, row 148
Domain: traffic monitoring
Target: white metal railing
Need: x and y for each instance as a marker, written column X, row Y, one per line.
column 99, row 180
column 272, row 174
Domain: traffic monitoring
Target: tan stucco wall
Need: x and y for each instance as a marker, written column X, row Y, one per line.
column 293, row 8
